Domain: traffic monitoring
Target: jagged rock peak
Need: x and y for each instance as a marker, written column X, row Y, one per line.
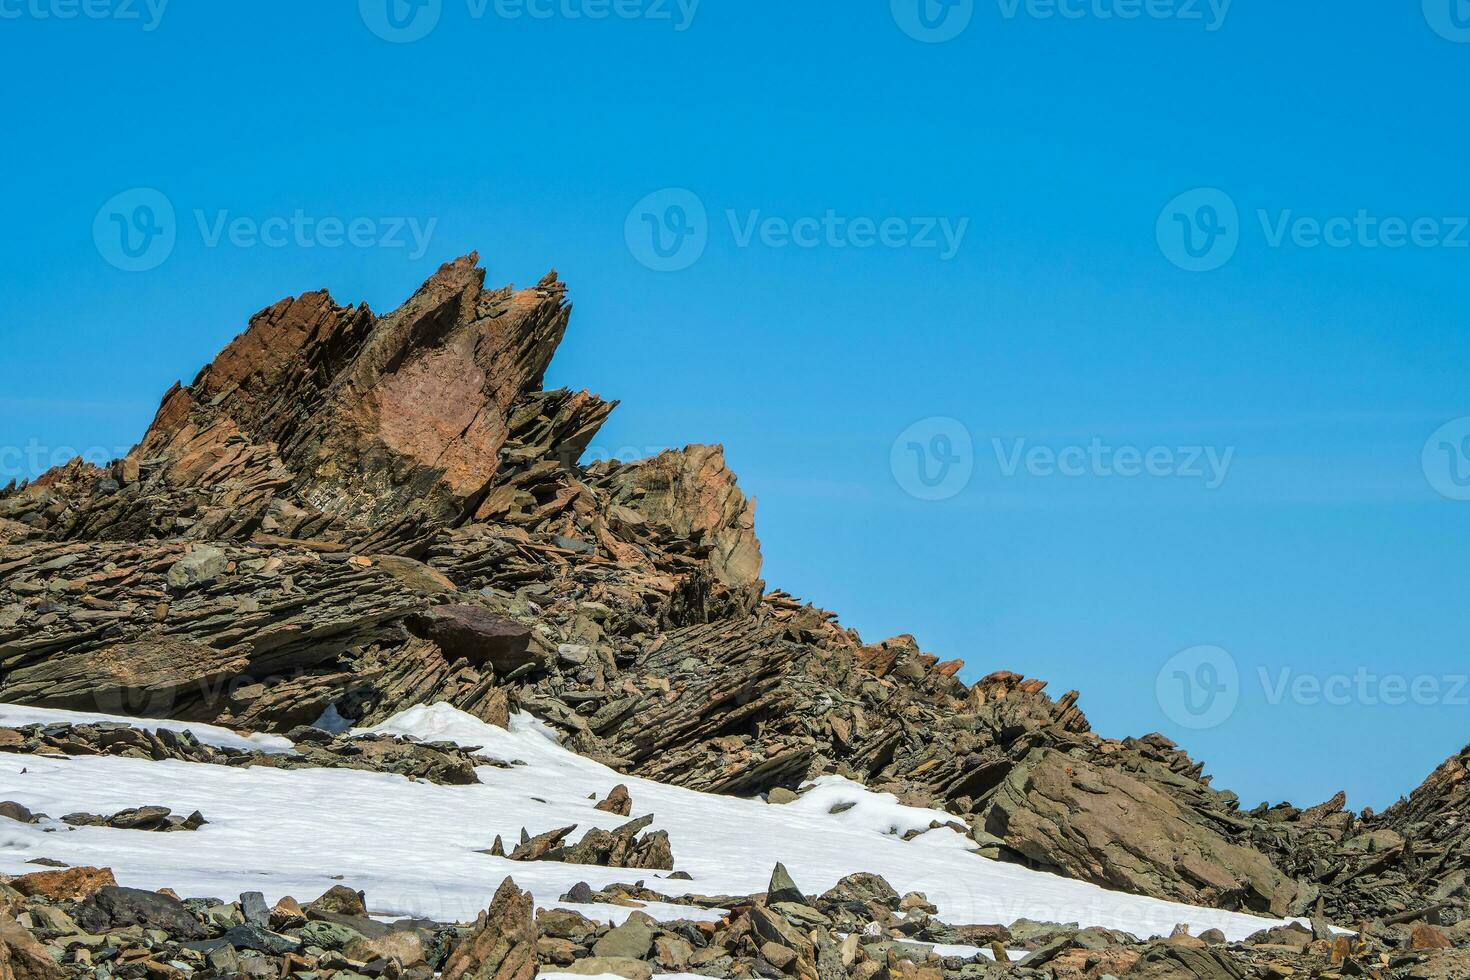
column 321, row 418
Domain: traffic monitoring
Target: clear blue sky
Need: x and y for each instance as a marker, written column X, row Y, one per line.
column 1067, row 316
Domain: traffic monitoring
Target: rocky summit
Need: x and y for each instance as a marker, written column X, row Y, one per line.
column 349, row 514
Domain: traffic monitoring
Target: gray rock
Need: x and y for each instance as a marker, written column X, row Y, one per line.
column 782, row 888
column 14, row 811
column 328, row 935
column 248, row 935
column 631, row 940
column 254, row 909
column 112, row 907
column 205, row 564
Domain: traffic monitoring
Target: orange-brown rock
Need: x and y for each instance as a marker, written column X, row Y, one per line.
column 1426, row 936
column 68, row 883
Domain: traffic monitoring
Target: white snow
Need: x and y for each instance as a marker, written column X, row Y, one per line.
column 412, row 846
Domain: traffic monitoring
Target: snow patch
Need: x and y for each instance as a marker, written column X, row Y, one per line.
column 416, row 848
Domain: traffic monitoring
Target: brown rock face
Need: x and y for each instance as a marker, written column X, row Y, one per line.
column 22, row 957
column 322, row 418
column 69, row 883
column 503, row 944
column 1105, row 826
column 694, row 493
column 416, row 422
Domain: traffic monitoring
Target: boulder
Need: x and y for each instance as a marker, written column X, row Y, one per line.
column 1105, row 826
column 111, row 907
column 476, row 634
column 502, row 945
column 70, row 883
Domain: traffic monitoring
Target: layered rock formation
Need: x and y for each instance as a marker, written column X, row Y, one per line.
column 347, row 514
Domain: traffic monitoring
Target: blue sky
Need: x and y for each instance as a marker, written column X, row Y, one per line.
column 939, row 283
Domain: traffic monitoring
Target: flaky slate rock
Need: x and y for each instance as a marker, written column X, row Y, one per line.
column 1105, row 826
column 503, row 943
column 693, row 492
column 155, row 676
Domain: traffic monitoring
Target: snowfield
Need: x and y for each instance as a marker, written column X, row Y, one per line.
column 413, row 846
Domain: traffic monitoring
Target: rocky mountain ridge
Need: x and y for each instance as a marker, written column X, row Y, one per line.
column 346, row 514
